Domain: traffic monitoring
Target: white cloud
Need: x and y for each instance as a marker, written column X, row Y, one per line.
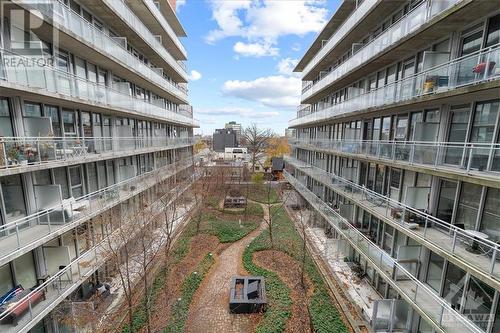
column 194, row 75
column 272, row 91
column 256, row 20
column 255, row 49
column 235, row 111
column 286, row 66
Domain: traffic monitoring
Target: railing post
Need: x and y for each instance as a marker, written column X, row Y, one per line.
column 412, row 153
column 17, row 236
column 454, row 241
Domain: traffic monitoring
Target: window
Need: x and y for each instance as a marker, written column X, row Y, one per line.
column 395, row 178
column 76, row 181
column 24, row 268
column 5, row 279
column 101, row 169
column 13, row 197
column 53, row 113
column 402, row 125
column 468, row 205
column 5, row 120
column 493, row 34
column 491, row 214
column 454, row 285
column 41, row 177
column 69, row 122
column 472, row 41
column 478, row 301
column 446, row 200
column 483, row 130
column 62, row 179
column 434, row 271
column 458, row 133
column 32, row 110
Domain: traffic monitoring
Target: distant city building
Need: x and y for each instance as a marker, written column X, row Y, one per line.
column 290, row 132
column 234, row 126
column 224, row 138
column 235, row 154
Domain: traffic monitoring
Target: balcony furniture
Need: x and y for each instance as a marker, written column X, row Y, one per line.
column 10, row 294
column 434, row 82
column 481, row 67
column 477, row 236
column 18, row 305
column 396, row 213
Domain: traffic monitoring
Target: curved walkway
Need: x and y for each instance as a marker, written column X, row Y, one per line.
column 209, row 312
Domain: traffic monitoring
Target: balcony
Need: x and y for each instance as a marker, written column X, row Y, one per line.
column 21, row 154
column 34, row 76
column 151, row 16
column 416, row 293
column 352, row 21
column 409, row 23
column 127, row 16
column 478, row 67
column 442, row 237
column 24, row 234
column 45, row 297
column 73, row 24
column 453, row 157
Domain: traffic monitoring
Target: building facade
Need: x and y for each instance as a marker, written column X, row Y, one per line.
column 396, row 148
column 224, row 138
column 235, row 127
column 94, row 119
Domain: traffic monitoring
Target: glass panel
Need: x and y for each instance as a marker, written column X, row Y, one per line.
column 110, row 172
column 435, row 271
column 25, row 271
column 32, row 110
column 491, row 216
column 53, row 113
column 454, row 285
column 41, row 177
column 69, row 122
column 92, row 177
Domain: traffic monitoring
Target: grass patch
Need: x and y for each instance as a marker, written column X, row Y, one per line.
column 229, row 231
column 180, row 309
column 325, row 317
column 259, row 193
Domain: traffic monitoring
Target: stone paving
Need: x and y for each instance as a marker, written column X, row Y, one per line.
column 209, row 311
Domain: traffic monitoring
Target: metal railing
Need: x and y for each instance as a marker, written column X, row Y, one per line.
column 463, row 155
column 27, row 72
column 136, row 24
column 413, row 290
column 57, row 287
column 163, row 22
column 19, row 151
column 70, row 213
column 413, row 20
column 64, row 17
column 449, row 238
column 480, row 66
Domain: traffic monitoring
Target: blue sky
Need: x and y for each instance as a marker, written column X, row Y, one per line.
column 241, row 53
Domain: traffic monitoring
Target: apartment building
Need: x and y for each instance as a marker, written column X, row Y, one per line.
column 396, row 148
column 94, row 118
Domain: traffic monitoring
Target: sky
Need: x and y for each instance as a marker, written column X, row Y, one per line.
column 241, row 54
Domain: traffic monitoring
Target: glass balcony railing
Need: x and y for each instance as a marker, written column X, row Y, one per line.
column 414, row 291
column 413, row 20
column 466, row 156
column 478, row 67
column 136, row 24
column 30, row 72
column 459, row 244
column 24, row 151
column 340, row 33
column 26, row 232
column 163, row 22
column 64, row 17
column 56, row 288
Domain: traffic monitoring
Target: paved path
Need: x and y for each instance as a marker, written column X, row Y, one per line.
column 209, row 312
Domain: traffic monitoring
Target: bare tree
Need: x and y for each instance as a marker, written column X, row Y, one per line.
column 256, row 140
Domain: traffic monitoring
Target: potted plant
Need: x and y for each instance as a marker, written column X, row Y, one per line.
column 13, row 155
